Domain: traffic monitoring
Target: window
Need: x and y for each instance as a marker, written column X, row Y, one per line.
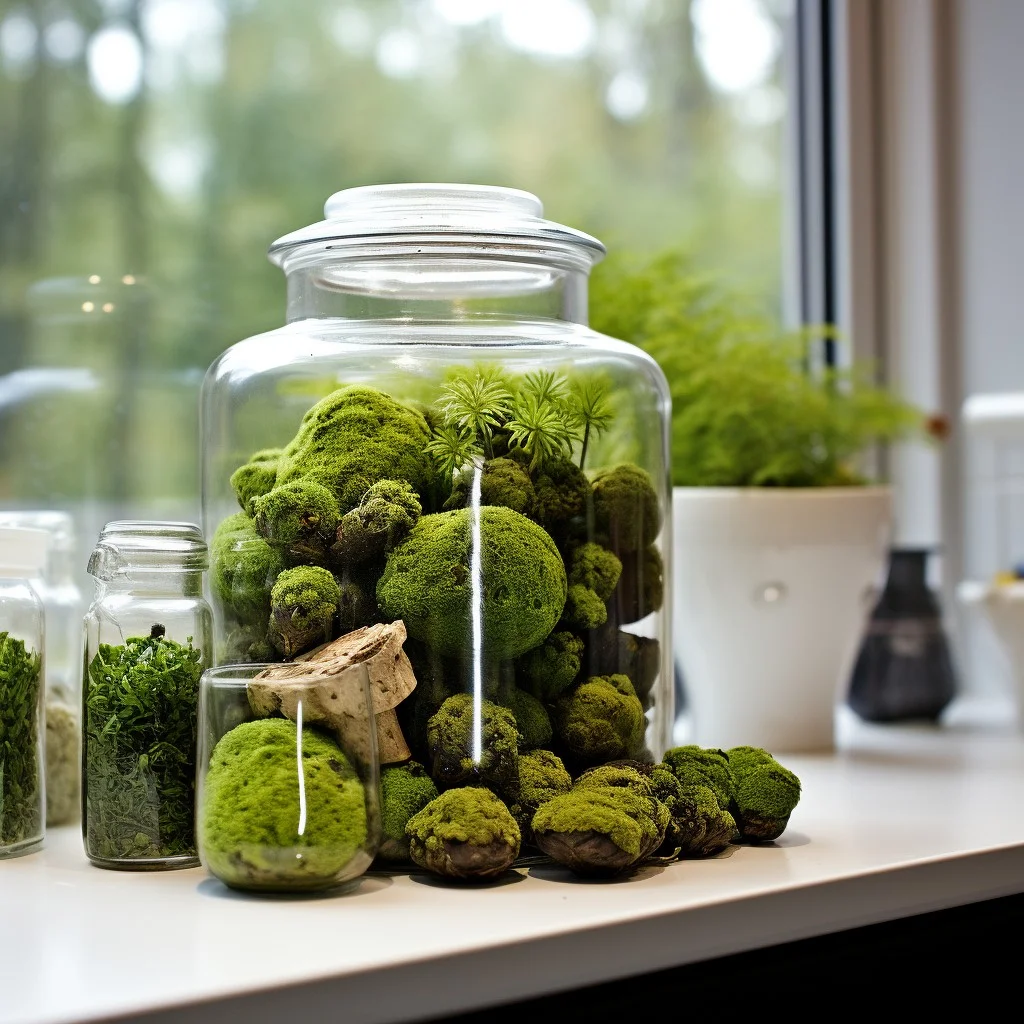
column 156, row 147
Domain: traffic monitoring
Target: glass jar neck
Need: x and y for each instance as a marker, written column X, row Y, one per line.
column 436, row 285
column 162, row 583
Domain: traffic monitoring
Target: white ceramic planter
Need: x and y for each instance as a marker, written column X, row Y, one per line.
column 772, row 589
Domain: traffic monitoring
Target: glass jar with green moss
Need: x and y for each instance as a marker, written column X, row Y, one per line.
column 288, row 780
column 436, row 438
column 148, row 638
column 22, row 655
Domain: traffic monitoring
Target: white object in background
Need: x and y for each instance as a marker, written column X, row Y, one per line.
column 1002, row 605
column 772, row 588
column 997, row 415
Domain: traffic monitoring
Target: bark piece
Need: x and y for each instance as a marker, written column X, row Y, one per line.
column 322, row 680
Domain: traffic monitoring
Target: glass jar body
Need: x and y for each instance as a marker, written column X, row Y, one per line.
column 147, row 638
column 529, row 570
column 22, row 780
column 261, row 824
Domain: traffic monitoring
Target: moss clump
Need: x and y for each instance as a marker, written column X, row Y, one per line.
column 243, row 569
column 256, row 477
column 583, row 609
column 596, row 568
column 249, row 817
column 532, row 718
column 626, row 507
column 563, row 495
column 704, row 826
column 600, row 720
column 764, row 794
column 466, row 833
column 503, row 482
column 405, row 789
column 385, row 514
column 458, row 756
column 303, row 603
column 542, row 775
column 641, row 588
column 693, row 765
column 299, row 519
column 428, row 582
column 549, row 670
column 600, row 830
column 616, row 774
column 354, row 437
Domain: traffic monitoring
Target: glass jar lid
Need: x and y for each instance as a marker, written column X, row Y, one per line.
column 152, row 546
column 438, row 212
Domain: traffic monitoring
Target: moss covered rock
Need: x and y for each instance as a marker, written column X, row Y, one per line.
column 249, row 820
column 405, row 789
column 428, row 583
column 600, row 720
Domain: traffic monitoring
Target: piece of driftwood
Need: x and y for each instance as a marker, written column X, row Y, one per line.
column 325, row 682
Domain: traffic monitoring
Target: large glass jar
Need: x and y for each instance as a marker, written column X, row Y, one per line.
column 148, row 638
column 435, row 436
column 22, row 656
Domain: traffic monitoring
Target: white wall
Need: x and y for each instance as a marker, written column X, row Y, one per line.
column 989, row 68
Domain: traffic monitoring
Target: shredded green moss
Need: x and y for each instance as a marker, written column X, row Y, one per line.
column 21, row 799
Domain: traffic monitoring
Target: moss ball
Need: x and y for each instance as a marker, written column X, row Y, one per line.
column 354, row 437
column 600, row 720
column 694, row 765
column 532, row 718
column 405, row 789
column 256, row 477
column 291, row 515
column 626, row 507
column 503, row 482
column 249, row 821
column 428, row 582
column 243, row 568
column 595, row 567
column 550, row 669
column 765, row 793
column 563, row 494
column 464, row 750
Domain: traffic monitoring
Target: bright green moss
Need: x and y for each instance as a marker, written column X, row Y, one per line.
column 583, row 608
column 548, row 670
column 464, row 750
column 354, row 437
column 626, row 507
column 428, row 582
column 765, row 793
column 542, row 775
column 249, row 817
column 256, row 477
column 616, row 775
column 595, row 567
column 299, row 518
column 303, row 606
column 243, row 568
column 630, row 819
column 405, row 789
column 600, row 720
column 702, row 766
column 503, row 482
column 466, row 832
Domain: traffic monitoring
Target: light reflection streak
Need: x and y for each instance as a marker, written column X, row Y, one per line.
column 302, row 778
column 476, row 578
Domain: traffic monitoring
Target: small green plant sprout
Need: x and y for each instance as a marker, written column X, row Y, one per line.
column 452, row 448
column 592, row 411
column 540, row 430
column 479, row 403
column 546, row 388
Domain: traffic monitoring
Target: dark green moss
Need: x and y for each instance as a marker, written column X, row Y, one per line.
column 503, row 482
column 703, row 766
column 626, row 507
column 304, row 605
column 599, row 720
column 405, row 789
column 466, row 750
column 549, row 670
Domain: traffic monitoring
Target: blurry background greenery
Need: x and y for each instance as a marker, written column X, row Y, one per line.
column 152, row 149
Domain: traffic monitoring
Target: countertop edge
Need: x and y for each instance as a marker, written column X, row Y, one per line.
column 426, row 989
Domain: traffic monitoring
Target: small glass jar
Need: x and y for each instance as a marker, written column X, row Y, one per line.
column 287, row 791
column 63, row 605
column 148, row 637
column 22, row 656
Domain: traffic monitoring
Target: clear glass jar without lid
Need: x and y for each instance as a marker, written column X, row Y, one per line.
column 435, row 436
column 22, row 656
column 148, row 638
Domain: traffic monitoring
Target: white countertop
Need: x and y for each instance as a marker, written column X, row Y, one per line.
column 900, row 820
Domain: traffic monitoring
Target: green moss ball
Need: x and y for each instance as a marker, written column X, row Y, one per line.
column 703, row 766
column 626, row 507
column 765, row 793
column 354, row 437
column 405, row 789
column 243, row 568
column 600, row 720
column 428, row 582
column 249, row 820
column 256, row 477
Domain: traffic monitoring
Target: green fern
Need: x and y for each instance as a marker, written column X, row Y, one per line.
column 480, row 403
column 453, row 447
column 540, row 430
column 746, row 411
column 591, row 411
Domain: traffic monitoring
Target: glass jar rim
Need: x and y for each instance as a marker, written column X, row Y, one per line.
column 435, row 211
column 151, row 545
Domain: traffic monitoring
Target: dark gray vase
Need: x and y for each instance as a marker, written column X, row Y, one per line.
column 904, row 670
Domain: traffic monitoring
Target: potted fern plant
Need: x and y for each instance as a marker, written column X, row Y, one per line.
column 779, row 535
